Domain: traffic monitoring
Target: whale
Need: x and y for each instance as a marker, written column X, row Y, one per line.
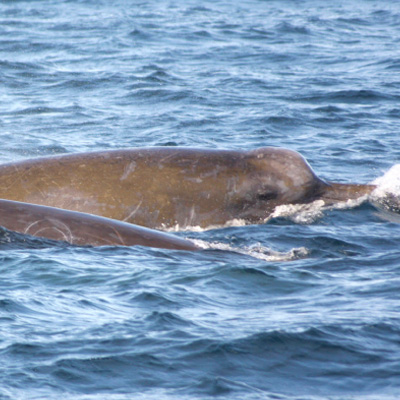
column 173, row 187
column 83, row 229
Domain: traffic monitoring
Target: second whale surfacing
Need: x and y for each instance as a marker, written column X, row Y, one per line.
column 82, row 229
column 167, row 187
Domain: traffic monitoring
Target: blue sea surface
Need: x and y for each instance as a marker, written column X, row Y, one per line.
column 306, row 306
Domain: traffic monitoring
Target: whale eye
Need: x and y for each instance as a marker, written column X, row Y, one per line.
column 268, row 195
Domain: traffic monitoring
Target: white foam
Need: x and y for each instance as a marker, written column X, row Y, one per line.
column 387, row 192
column 348, row 204
column 197, row 228
column 388, row 183
column 299, row 213
column 256, row 251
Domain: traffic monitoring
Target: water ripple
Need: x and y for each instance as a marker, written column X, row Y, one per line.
column 303, row 306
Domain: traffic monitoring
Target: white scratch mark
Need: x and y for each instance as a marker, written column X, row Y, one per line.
column 133, row 212
column 58, row 226
column 119, row 237
column 128, row 169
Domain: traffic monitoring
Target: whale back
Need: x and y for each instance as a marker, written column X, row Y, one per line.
column 170, row 187
column 82, row 229
column 155, row 187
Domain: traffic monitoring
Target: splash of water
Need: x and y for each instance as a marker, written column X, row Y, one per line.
column 386, row 196
column 257, row 251
column 299, row 213
column 387, row 193
column 197, row 228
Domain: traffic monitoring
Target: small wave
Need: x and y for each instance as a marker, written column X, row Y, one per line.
column 348, row 97
column 11, row 307
column 217, row 386
column 20, row 66
column 140, row 34
column 162, row 320
column 353, row 21
column 287, row 27
column 147, row 298
column 161, row 94
column 197, row 10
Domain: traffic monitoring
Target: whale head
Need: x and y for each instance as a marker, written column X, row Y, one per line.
column 274, row 176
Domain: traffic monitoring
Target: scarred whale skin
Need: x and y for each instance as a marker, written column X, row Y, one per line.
column 82, row 229
column 165, row 187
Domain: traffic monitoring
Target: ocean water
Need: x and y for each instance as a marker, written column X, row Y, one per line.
column 305, row 306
